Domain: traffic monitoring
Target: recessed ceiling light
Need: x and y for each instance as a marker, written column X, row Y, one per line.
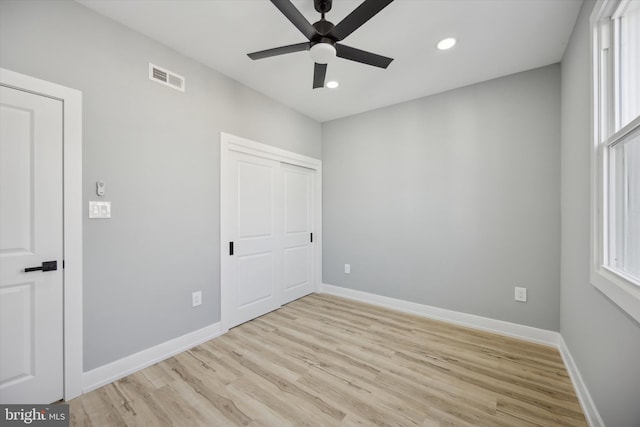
column 333, row 84
column 447, row 43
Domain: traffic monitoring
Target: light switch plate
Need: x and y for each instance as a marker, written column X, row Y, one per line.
column 99, row 210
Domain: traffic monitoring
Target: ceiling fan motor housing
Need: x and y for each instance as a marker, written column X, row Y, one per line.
column 323, row 27
column 322, row 6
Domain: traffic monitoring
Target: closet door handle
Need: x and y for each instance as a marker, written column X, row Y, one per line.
column 230, row 248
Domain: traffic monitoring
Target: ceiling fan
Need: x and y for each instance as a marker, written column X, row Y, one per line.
column 324, row 37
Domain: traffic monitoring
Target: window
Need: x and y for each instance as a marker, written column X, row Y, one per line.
column 616, row 152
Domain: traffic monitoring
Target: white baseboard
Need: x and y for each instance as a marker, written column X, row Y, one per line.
column 588, row 407
column 106, row 374
column 527, row 333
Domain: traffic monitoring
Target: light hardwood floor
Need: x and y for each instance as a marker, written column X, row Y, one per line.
column 323, row 360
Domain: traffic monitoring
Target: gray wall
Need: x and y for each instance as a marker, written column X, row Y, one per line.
column 451, row 200
column 158, row 151
column 603, row 340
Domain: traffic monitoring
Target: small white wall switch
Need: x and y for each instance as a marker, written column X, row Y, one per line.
column 100, row 188
column 196, row 298
column 347, row 268
column 521, row 294
column 99, row 210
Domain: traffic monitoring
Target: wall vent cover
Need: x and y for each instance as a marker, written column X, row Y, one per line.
column 166, row 77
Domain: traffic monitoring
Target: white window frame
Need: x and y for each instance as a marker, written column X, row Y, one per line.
column 618, row 287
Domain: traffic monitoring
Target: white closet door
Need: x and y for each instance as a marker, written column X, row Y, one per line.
column 297, row 238
column 255, row 229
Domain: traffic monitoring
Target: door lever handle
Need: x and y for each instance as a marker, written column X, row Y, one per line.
column 46, row 266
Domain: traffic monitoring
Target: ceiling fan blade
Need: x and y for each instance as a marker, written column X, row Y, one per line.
column 289, row 10
column 367, row 10
column 279, row 50
column 353, row 54
column 319, row 72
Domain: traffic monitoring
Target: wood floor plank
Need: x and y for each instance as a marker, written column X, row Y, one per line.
column 279, row 377
column 183, row 365
column 324, row 360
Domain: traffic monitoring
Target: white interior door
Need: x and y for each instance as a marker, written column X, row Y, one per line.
column 254, row 230
column 31, row 318
column 298, row 256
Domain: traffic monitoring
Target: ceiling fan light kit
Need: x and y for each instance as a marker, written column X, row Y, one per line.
column 322, row 53
column 324, row 37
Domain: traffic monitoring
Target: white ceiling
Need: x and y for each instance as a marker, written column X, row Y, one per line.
column 495, row 38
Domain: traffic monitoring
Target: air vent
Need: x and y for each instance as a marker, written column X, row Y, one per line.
column 166, row 77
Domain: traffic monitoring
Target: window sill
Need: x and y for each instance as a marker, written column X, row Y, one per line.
column 618, row 289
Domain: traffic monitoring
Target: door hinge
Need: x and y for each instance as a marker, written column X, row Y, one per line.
column 230, row 248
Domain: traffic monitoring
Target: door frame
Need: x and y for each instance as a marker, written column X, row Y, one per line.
column 230, row 143
column 72, row 219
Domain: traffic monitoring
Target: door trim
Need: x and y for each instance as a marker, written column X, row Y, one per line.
column 72, row 219
column 229, row 143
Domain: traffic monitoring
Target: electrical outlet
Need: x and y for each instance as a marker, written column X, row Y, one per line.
column 521, row 294
column 347, row 268
column 196, row 298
